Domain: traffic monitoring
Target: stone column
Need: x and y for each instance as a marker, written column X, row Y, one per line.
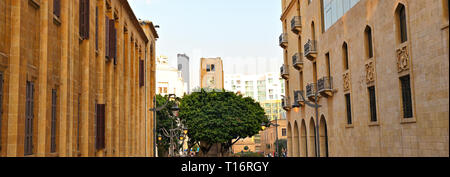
column 14, row 68
column 85, row 47
column 43, row 68
column 127, row 94
column 64, row 87
column 133, row 127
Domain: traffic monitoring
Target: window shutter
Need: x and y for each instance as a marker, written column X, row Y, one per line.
column 28, row 145
column 111, row 39
column 57, row 8
column 115, row 45
column 81, row 19
column 141, row 73
column 100, row 126
column 107, row 37
column 86, row 18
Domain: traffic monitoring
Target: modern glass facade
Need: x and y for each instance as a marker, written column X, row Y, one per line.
column 335, row 9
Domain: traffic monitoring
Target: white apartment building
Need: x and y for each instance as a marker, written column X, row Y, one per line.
column 262, row 87
column 169, row 80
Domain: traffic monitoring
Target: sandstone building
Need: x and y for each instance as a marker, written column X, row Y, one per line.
column 78, row 79
column 211, row 73
column 380, row 70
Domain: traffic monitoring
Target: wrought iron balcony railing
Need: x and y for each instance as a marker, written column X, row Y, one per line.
column 297, row 61
column 298, row 97
column 311, row 90
column 296, row 24
column 284, row 72
column 325, row 86
column 311, row 49
column 285, row 103
column 283, row 40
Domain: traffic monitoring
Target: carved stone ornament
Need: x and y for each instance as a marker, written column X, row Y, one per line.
column 370, row 72
column 346, row 77
column 402, row 59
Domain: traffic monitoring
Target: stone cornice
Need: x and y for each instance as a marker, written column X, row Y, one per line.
column 134, row 20
column 285, row 12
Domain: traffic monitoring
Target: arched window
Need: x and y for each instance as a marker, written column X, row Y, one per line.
column 313, row 32
column 345, row 55
column 401, row 26
column 368, row 40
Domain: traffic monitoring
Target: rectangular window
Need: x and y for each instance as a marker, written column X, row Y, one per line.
column 100, row 126
column 373, row 104
column 29, row 107
column 84, row 19
column 406, row 97
column 208, row 68
column 112, row 39
column 403, row 28
column 327, row 57
column 283, row 132
column 349, row 108
column 141, row 73
column 213, row 68
column 53, row 123
column 57, row 8
column 107, row 35
column 1, row 108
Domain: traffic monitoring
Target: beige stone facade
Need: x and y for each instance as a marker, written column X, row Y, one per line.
column 70, row 75
column 379, row 124
column 269, row 136
column 211, row 73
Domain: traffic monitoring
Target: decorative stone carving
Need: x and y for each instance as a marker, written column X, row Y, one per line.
column 370, row 72
column 402, row 59
column 346, row 77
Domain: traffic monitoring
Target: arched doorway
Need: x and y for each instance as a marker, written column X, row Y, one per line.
column 295, row 141
column 312, row 138
column 323, row 137
column 304, row 142
column 289, row 143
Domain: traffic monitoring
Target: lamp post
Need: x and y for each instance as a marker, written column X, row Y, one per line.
column 157, row 109
column 316, row 106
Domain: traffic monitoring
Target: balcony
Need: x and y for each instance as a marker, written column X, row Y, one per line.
column 311, row 90
column 296, row 24
column 286, row 104
column 283, row 40
column 298, row 97
column 284, row 72
column 311, row 50
column 325, row 86
column 297, row 61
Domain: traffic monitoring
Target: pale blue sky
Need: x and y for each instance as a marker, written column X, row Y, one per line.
column 243, row 32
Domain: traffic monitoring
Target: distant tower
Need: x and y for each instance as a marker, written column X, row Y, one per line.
column 183, row 67
column 211, row 73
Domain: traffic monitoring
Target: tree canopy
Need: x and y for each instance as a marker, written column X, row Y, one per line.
column 220, row 117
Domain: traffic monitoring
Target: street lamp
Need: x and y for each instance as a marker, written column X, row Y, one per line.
column 155, row 109
column 316, row 106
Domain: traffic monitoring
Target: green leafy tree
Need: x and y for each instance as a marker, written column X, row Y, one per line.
column 220, row 117
column 164, row 120
column 282, row 144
